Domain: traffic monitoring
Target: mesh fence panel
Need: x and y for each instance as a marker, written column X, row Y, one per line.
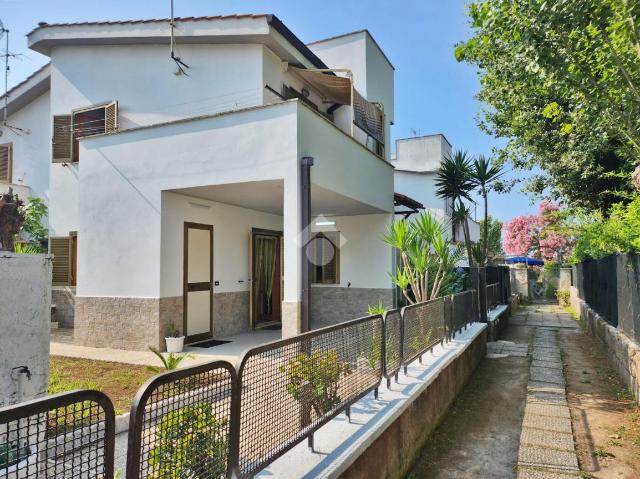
column 462, row 309
column 423, row 327
column 493, row 295
column 69, row 435
column 393, row 343
column 292, row 387
column 181, row 424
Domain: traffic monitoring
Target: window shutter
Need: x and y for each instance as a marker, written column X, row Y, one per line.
column 59, row 247
column 111, row 117
column 6, row 162
column 61, row 140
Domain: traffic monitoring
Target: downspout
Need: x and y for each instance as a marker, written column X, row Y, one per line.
column 305, row 227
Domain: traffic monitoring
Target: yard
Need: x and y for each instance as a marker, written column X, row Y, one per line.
column 119, row 381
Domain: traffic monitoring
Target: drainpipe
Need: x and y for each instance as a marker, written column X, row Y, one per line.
column 305, row 227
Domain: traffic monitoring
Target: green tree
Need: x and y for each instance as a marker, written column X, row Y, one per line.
column 491, row 228
column 561, row 81
column 454, row 182
column 34, row 212
column 483, row 174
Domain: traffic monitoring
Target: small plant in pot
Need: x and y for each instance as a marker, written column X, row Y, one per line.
column 175, row 341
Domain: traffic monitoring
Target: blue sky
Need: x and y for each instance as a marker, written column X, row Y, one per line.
column 434, row 93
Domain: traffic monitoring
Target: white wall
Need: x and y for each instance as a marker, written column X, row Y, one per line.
column 31, row 155
column 122, row 177
column 365, row 259
column 231, row 235
column 424, row 153
column 421, row 187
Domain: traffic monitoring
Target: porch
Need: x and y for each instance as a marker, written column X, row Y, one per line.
column 205, row 204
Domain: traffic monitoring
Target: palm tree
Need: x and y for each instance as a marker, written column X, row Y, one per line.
column 454, row 182
column 483, row 173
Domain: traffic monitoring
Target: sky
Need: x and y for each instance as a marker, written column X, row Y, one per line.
column 433, row 92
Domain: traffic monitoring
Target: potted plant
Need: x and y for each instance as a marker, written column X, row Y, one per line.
column 174, row 340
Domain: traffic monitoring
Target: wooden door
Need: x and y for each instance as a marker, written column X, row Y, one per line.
column 198, row 281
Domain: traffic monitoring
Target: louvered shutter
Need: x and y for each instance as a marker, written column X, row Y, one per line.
column 60, row 248
column 61, row 140
column 6, row 160
column 111, row 117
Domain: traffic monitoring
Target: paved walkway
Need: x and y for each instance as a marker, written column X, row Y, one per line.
column 547, row 449
column 62, row 345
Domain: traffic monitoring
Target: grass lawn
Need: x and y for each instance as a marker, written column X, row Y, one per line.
column 117, row 380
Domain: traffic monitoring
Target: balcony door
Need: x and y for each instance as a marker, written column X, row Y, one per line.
column 198, row 281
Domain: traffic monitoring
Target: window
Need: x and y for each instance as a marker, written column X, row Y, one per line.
column 324, row 256
column 68, row 129
column 65, row 253
column 6, row 162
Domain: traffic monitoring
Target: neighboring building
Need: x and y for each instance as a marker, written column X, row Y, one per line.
column 416, row 163
column 181, row 198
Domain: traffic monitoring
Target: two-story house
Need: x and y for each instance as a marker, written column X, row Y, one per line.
column 246, row 185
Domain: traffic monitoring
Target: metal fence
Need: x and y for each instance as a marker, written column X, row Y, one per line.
column 462, row 311
column 209, row 421
column 392, row 344
column 68, row 435
column 180, row 424
column 292, row 387
column 423, row 327
column 493, row 296
column 600, row 286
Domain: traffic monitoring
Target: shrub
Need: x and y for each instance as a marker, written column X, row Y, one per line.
column 619, row 233
column 190, row 441
column 313, row 379
column 563, row 297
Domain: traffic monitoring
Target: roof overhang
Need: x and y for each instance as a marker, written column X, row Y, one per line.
column 26, row 91
column 249, row 29
column 410, row 205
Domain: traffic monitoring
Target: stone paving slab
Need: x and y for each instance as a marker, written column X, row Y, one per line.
column 544, row 456
column 547, row 364
column 547, row 375
column 545, row 387
column 545, row 356
column 548, row 423
column 547, row 410
column 541, row 397
column 553, row 439
column 538, row 473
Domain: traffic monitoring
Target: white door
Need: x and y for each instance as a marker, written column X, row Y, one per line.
column 198, row 281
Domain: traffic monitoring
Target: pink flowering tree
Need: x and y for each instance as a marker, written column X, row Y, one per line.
column 536, row 234
column 520, row 235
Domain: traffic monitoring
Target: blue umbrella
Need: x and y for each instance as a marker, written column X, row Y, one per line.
column 526, row 260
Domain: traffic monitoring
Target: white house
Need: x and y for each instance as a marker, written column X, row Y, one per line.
column 416, row 163
column 184, row 192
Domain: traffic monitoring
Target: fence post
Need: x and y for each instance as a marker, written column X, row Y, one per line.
column 479, row 280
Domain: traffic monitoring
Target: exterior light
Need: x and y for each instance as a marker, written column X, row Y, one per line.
column 325, row 223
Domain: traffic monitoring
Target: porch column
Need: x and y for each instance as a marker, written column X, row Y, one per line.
column 296, row 218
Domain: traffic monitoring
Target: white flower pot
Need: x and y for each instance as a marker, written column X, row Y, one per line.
column 175, row 345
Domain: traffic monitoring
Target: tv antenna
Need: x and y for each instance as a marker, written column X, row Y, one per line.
column 5, row 33
column 179, row 63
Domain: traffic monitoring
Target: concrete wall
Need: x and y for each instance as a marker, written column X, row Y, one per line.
column 393, row 453
column 25, row 299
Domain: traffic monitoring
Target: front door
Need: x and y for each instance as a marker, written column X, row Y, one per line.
column 266, row 277
column 198, row 281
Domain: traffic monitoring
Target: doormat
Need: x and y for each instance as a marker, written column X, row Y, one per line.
column 209, row 344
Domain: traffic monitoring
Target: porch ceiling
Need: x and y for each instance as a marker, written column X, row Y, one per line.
column 267, row 196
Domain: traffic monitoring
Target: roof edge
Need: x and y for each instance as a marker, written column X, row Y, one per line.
column 355, row 32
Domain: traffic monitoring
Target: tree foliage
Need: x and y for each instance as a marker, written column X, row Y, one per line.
column 561, row 80
column 493, row 227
